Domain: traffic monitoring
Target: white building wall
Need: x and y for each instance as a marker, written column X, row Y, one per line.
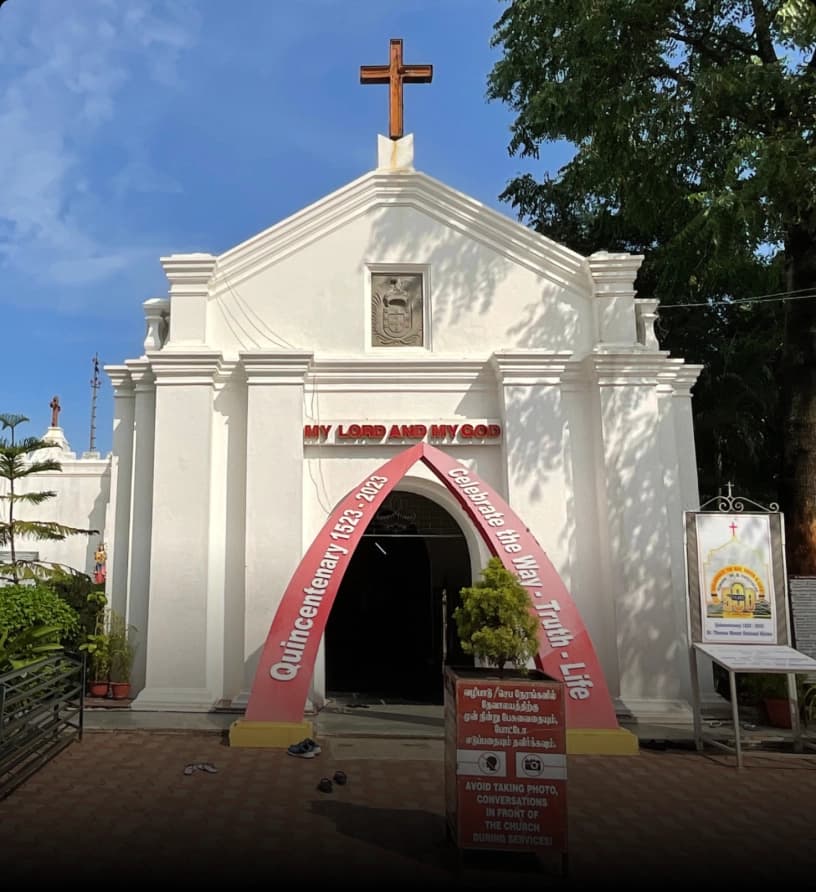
column 82, row 491
column 216, row 495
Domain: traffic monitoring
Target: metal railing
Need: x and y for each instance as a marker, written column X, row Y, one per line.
column 40, row 714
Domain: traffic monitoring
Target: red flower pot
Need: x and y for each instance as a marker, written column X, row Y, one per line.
column 778, row 713
column 98, row 689
column 120, row 690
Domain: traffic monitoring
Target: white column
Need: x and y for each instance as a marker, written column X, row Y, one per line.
column 118, row 535
column 640, row 494
column 179, row 673
column 688, row 499
column 536, row 446
column 141, row 513
column 274, row 489
column 685, row 378
column 225, row 632
column 545, row 404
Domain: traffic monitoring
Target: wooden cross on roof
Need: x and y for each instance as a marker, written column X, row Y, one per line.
column 396, row 74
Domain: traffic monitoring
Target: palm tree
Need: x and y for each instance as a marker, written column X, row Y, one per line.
column 18, row 461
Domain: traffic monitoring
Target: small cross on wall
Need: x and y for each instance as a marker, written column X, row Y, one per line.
column 395, row 74
column 733, row 527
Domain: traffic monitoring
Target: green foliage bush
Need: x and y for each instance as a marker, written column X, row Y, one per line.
column 494, row 620
column 23, row 607
column 87, row 598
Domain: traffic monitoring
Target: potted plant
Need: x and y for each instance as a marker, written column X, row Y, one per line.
column 505, row 724
column 808, row 702
column 97, row 647
column 770, row 691
column 121, row 656
column 494, row 621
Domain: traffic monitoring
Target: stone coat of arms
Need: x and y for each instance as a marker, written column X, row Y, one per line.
column 396, row 310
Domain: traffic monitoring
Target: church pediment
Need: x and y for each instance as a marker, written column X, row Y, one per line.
column 411, row 189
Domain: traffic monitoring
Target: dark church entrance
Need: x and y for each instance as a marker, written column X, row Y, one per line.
column 391, row 625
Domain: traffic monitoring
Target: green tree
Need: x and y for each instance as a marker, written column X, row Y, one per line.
column 693, row 129
column 18, row 462
column 495, row 620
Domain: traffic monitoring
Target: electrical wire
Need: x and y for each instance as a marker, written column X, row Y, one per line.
column 758, row 299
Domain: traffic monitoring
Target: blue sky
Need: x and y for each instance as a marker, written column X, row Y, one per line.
column 132, row 130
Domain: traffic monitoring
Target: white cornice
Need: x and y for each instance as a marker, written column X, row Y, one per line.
column 631, row 369
column 188, row 269
column 141, row 373
column 388, row 374
column 184, row 367
column 275, row 366
column 529, row 367
column 427, row 195
column 120, row 379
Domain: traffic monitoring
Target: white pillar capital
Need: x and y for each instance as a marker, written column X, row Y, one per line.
column 199, row 367
column 276, row 367
column 529, row 367
column 121, row 381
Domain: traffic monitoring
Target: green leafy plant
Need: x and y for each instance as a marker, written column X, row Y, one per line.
column 18, row 461
column 87, row 598
column 97, row 647
column 28, row 606
column 698, row 153
column 494, row 620
column 19, row 649
column 122, row 650
column 808, row 703
column 755, row 687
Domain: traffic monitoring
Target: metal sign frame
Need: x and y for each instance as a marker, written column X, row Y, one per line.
column 770, row 658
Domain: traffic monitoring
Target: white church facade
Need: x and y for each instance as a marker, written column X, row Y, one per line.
column 279, row 374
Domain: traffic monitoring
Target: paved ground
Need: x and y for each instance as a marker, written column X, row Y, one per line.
column 118, row 807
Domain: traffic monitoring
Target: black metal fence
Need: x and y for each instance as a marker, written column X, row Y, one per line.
column 40, row 714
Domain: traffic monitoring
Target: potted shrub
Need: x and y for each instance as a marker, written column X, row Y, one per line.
column 770, row 691
column 121, row 656
column 494, row 621
column 97, row 647
column 505, row 725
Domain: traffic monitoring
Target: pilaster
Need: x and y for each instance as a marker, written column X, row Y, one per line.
column 274, row 487
column 536, row 445
column 118, row 536
column 141, row 512
column 640, row 492
column 180, row 662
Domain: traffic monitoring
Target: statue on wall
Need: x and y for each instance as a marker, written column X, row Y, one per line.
column 396, row 310
column 100, row 562
column 55, row 407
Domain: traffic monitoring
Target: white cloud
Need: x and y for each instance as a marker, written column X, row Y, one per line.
column 62, row 80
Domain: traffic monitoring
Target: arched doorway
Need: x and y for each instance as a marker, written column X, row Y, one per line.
column 391, row 625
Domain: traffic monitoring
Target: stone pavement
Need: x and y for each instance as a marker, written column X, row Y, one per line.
column 118, row 807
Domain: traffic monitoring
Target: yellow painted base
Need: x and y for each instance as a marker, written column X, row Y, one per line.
column 602, row 742
column 270, row 735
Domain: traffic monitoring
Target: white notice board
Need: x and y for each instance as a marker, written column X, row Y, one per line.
column 758, row 657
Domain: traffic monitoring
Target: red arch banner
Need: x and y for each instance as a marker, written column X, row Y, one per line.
column 565, row 650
